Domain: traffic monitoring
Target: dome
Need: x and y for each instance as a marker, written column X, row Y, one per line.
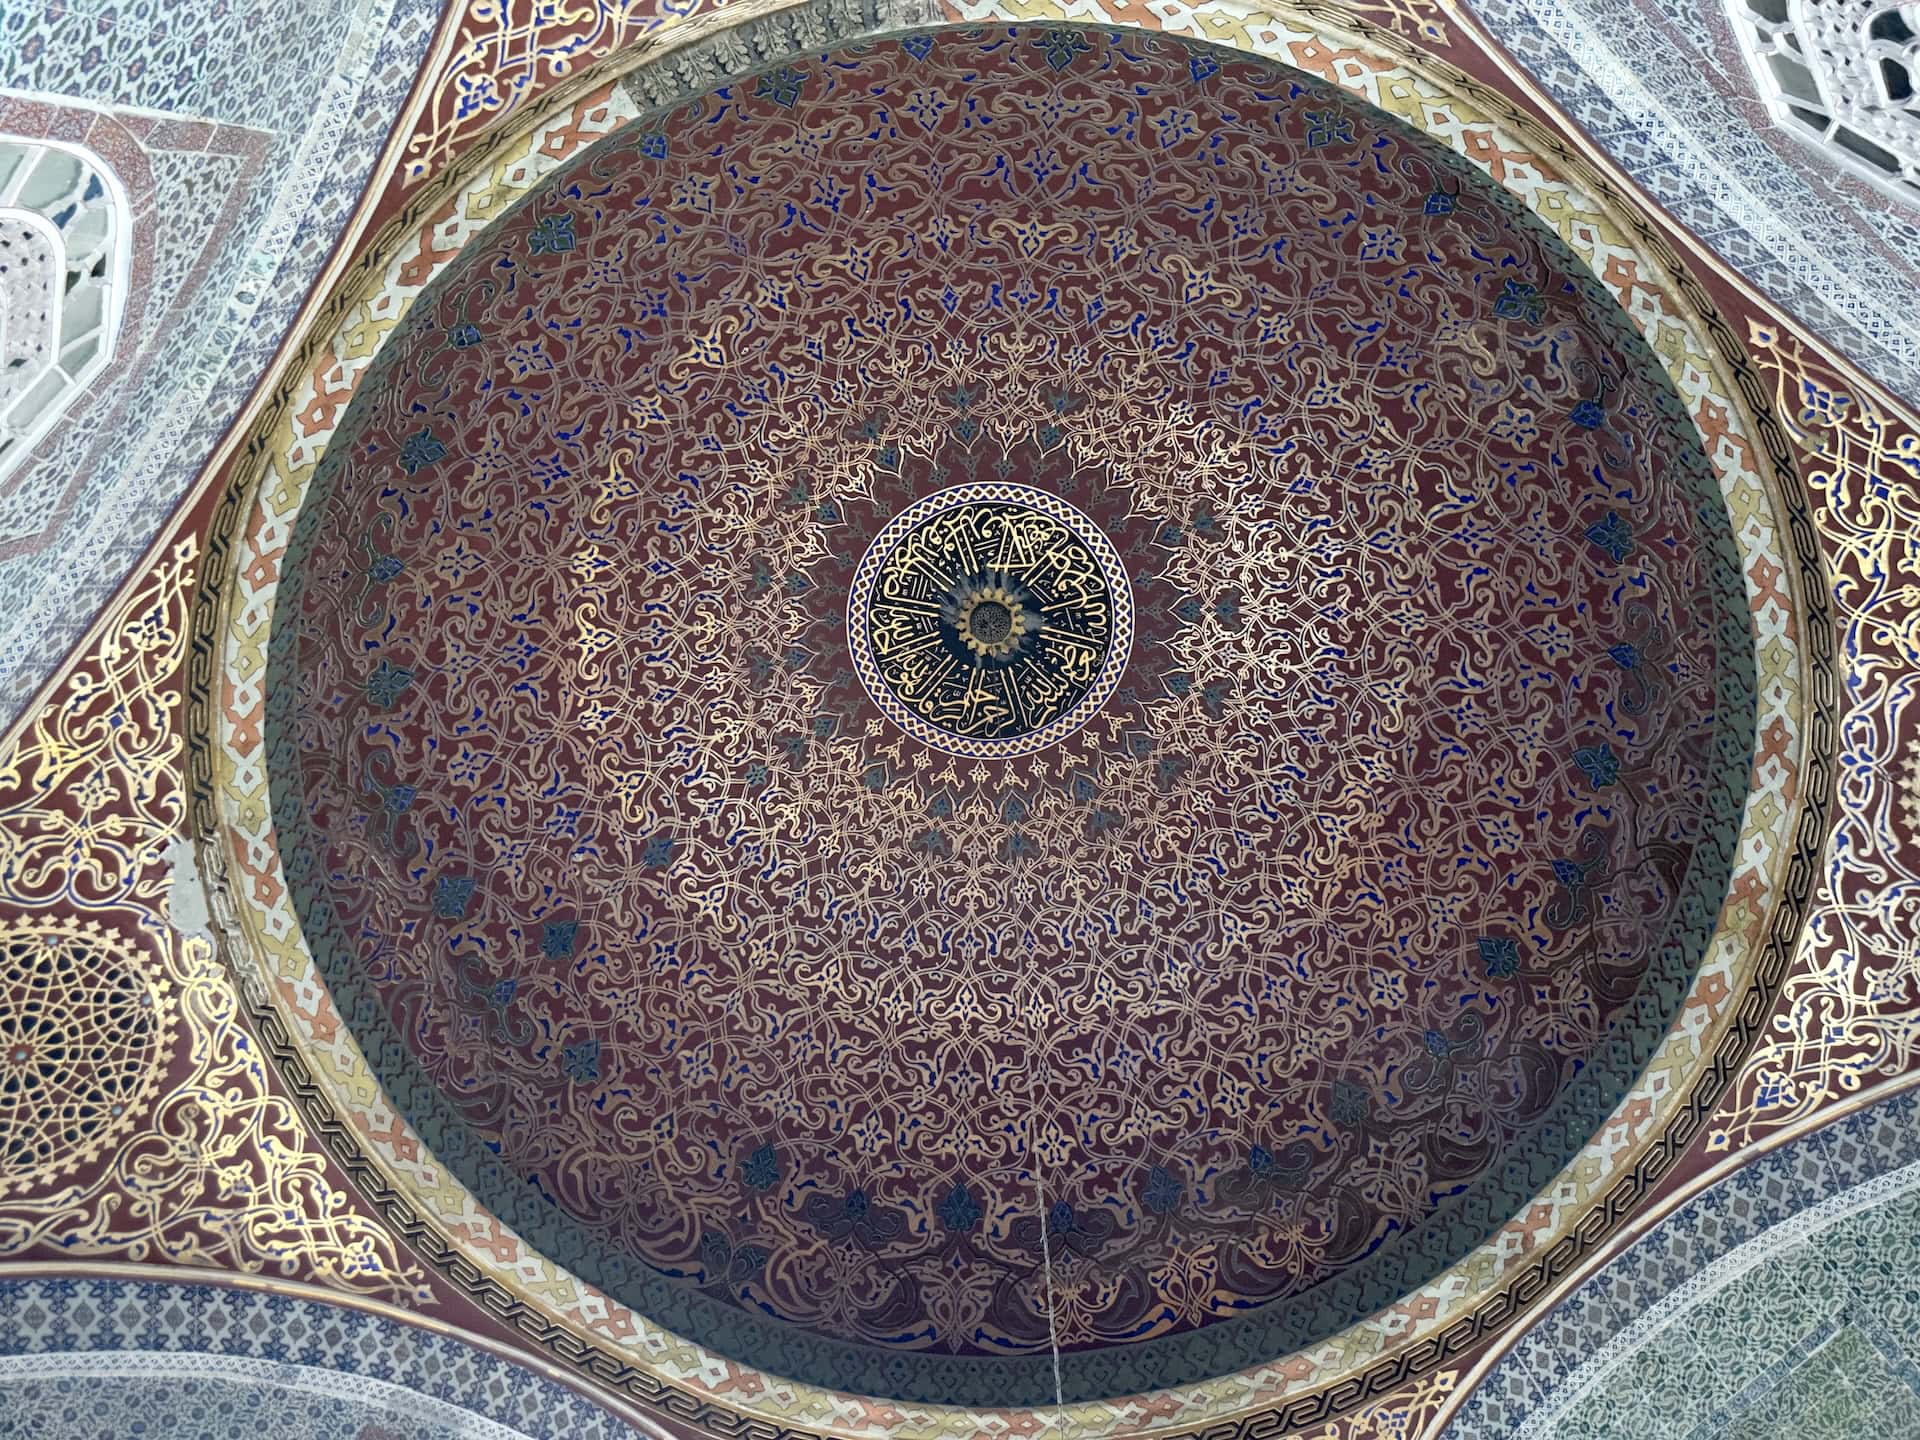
column 1010, row 715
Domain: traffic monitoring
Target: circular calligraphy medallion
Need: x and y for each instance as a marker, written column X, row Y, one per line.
column 990, row 620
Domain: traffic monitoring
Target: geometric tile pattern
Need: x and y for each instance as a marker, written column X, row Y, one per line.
column 1782, row 1300
column 257, row 156
column 159, row 1359
column 1662, row 86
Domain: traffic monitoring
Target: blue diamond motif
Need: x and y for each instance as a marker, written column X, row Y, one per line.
column 1612, row 536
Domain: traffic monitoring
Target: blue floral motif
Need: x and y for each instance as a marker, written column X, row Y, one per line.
column 1501, row 955
column 762, row 1168
column 1350, row 1104
column 1060, row 1218
column 503, row 992
column 1202, row 66
column 1162, row 1192
column 582, row 1062
column 552, row 236
column 420, row 450
column 388, row 683
column 1599, row 763
column 653, row 145
column 784, row 86
column 1260, row 1162
column 396, row 833
column 556, row 940
column 918, row 46
column 959, row 1212
column 1437, row 1044
column 1060, row 46
column 725, row 1262
column 658, row 853
column 464, row 337
column 386, row 568
column 1588, row 413
column 1579, row 876
column 1519, row 301
column 1440, row 203
column 858, row 1218
column 1326, row 126
column 1612, row 536
column 1627, row 657
column 451, row 894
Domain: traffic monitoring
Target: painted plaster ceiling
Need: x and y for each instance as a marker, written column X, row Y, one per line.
column 880, row 604
column 910, row 720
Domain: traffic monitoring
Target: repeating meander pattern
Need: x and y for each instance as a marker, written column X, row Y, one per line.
column 1349, row 808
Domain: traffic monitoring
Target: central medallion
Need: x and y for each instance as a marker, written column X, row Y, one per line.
column 990, row 620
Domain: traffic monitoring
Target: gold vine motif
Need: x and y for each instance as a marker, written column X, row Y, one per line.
column 509, row 55
column 222, row 1170
column 1843, row 1020
column 1266, row 1422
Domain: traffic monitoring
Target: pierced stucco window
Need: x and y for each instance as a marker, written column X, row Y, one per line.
column 64, row 255
column 1844, row 77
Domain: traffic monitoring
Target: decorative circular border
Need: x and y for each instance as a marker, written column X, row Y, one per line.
column 859, row 597
column 1721, row 1034
column 113, row 957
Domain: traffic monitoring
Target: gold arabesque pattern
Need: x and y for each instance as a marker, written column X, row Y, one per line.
column 221, row 1170
column 1462, row 114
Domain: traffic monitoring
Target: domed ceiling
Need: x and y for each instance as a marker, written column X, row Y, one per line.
column 1013, row 715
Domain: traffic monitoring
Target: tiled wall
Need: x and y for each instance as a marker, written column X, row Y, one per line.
column 1784, row 1300
column 256, row 126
